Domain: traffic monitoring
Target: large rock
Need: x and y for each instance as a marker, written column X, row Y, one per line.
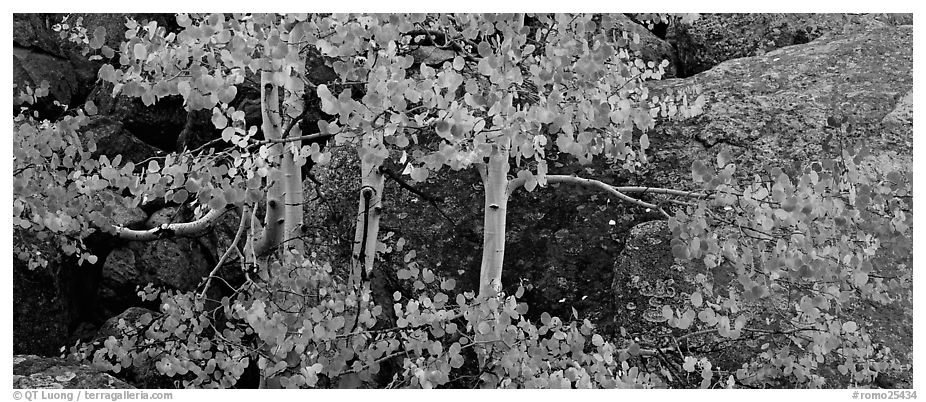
column 143, row 371
column 647, row 277
column 111, row 139
column 40, row 53
column 158, row 125
column 714, row 38
column 772, row 110
column 178, row 263
column 50, row 302
column 649, row 47
column 35, row 372
column 41, row 308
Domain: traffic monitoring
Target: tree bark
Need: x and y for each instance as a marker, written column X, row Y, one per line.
column 495, row 182
column 293, row 196
column 188, row 229
column 275, row 218
column 369, row 211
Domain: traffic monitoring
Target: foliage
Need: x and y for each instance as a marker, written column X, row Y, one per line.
column 423, row 92
column 805, row 249
column 443, row 338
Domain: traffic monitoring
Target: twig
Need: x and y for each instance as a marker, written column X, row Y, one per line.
column 518, row 182
column 234, row 245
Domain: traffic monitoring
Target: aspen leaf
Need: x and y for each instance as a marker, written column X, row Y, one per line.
column 140, row 51
column 99, row 37
column 723, row 158
column 228, row 133
column 667, row 312
column 419, row 174
column 696, row 299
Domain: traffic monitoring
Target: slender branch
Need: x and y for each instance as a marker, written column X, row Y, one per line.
column 518, row 182
column 310, row 137
column 658, row 190
column 404, row 184
column 762, row 331
column 186, row 229
column 233, row 246
column 431, row 199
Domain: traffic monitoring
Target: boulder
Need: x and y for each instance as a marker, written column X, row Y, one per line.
column 177, row 263
column 649, row 47
column 35, row 372
column 714, row 38
column 158, row 125
column 647, row 277
column 772, row 110
column 40, row 53
column 126, row 323
column 143, row 371
column 42, row 311
column 111, row 139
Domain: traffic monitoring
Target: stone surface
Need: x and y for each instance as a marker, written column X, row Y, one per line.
column 647, row 276
column 41, row 54
column 650, row 47
column 111, row 139
column 714, row 38
column 158, row 125
column 41, row 312
column 35, row 372
column 772, row 110
column 178, row 263
column 130, row 323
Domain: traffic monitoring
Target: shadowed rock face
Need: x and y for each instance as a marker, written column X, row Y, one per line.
column 50, row 372
column 714, row 38
column 772, row 110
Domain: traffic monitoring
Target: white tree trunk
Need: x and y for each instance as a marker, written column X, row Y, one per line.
column 495, row 181
column 369, row 211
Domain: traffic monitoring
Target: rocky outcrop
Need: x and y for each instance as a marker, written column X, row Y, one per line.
column 142, row 371
column 127, row 323
column 158, row 125
column 178, row 263
column 35, row 372
column 772, row 110
column 649, row 47
column 785, row 108
column 111, row 139
column 714, row 38
column 44, row 52
column 647, row 277
column 40, row 54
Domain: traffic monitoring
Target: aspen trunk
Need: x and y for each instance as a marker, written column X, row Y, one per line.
column 293, row 196
column 369, row 211
column 495, row 181
column 274, row 220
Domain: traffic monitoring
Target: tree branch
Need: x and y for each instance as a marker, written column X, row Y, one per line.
column 186, row 229
column 518, row 182
column 404, row 184
column 658, row 190
column 233, row 246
